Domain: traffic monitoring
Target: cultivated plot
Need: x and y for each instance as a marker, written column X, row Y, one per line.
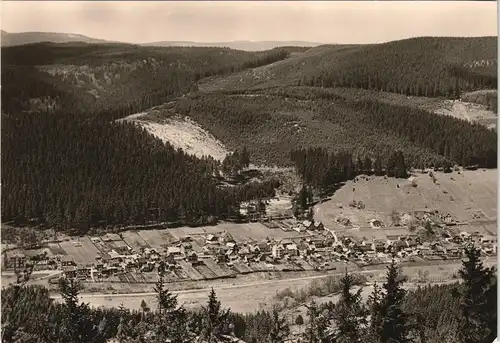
column 82, row 250
column 156, row 238
column 134, row 241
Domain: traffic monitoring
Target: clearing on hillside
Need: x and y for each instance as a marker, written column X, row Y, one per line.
column 462, row 195
column 180, row 132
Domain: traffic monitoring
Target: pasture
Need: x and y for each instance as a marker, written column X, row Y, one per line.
column 470, row 197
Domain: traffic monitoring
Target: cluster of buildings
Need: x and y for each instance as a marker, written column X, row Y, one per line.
column 317, row 248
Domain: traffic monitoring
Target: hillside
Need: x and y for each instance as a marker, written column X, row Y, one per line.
column 237, row 45
column 424, row 66
column 21, row 38
column 273, row 122
column 119, row 79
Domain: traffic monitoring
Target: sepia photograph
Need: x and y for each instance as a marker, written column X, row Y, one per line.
column 249, row 171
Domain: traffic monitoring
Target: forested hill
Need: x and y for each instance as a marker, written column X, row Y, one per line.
column 67, row 164
column 430, row 66
column 112, row 79
column 273, row 122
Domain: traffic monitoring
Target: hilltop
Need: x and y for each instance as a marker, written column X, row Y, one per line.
column 424, row 66
column 21, row 38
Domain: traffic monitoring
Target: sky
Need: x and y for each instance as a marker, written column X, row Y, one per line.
column 353, row 22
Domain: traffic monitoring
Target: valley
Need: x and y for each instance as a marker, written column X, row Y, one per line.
column 269, row 176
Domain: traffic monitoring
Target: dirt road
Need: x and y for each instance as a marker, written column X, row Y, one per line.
column 244, row 297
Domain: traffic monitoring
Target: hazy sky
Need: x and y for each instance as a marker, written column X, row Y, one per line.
column 210, row 21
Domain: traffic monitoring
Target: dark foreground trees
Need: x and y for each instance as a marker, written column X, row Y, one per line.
column 430, row 314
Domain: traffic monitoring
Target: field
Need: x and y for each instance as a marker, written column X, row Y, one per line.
column 470, row 197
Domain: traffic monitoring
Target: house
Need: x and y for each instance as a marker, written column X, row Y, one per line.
column 15, row 259
column 231, row 245
column 67, row 261
column 299, row 228
column 192, row 257
column 226, row 237
column 378, row 245
column 211, row 239
column 307, row 224
column 69, row 271
column 488, row 239
column 302, row 249
column 186, row 248
column 278, row 251
column 176, row 251
column 376, row 223
column 83, row 271
column 254, row 248
column 231, row 255
column 291, row 249
column 318, row 226
column 170, row 261
column 317, row 243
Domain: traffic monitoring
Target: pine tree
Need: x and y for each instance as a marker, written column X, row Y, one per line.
column 279, row 328
column 478, row 299
column 349, row 314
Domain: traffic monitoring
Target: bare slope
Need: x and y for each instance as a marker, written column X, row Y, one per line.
column 180, row 132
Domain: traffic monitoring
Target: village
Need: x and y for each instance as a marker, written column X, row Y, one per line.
column 226, row 250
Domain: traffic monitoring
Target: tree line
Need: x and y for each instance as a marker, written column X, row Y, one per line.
column 461, row 312
column 322, row 170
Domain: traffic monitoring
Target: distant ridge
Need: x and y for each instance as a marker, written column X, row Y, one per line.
column 22, row 38
column 237, row 45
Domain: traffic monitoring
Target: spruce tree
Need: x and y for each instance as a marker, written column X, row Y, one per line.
column 349, row 314
column 279, row 328
column 374, row 305
column 394, row 321
column 215, row 320
column 316, row 327
column 477, row 299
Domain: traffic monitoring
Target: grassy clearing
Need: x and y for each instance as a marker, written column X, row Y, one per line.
column 459, row 194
